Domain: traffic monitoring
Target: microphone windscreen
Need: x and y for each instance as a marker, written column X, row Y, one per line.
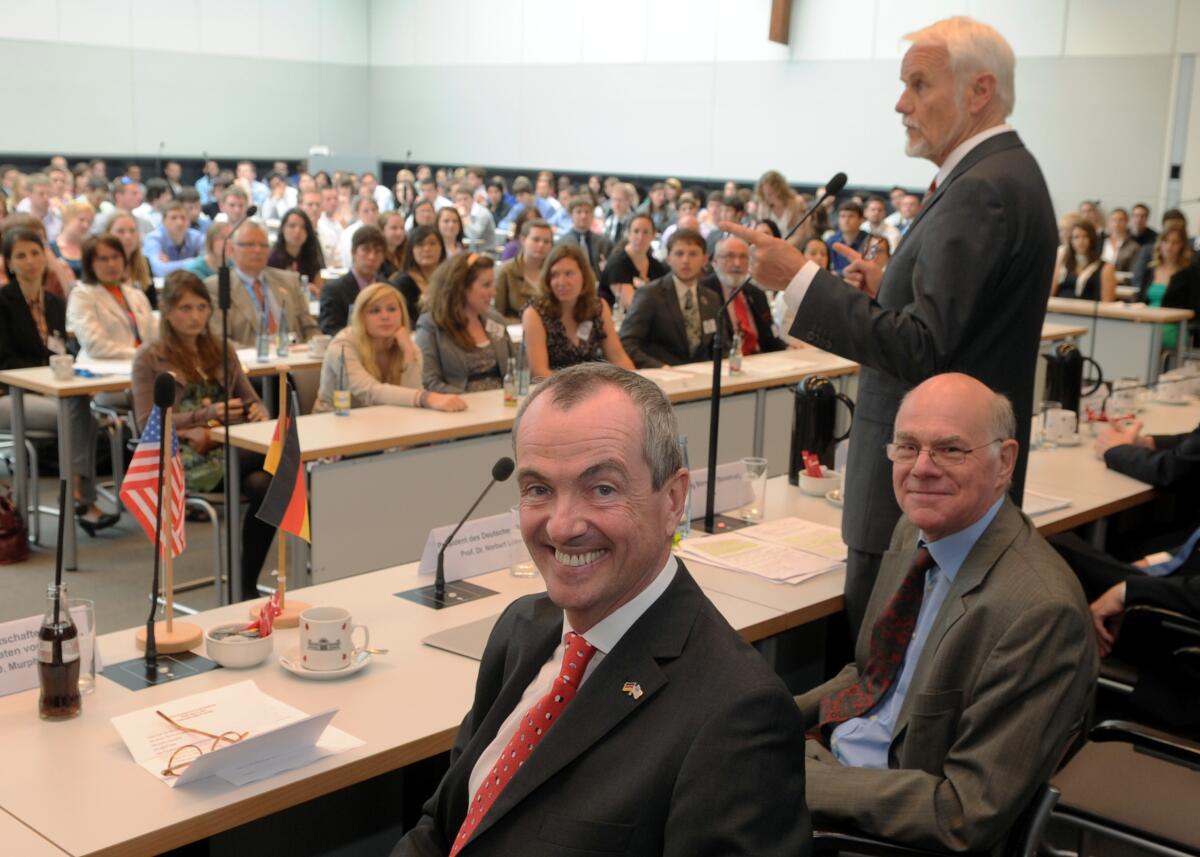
column 503, row 469
column 834, row 186
column 253, row 210
column 164, row 390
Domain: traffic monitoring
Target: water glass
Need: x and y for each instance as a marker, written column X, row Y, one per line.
column 754, row 474
column 83, row 614
column 520, row 563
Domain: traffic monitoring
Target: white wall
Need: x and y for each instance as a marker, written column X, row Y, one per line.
column 694, row 88
column 260, row 78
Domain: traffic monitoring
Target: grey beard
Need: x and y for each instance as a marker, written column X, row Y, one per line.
column 730, row 281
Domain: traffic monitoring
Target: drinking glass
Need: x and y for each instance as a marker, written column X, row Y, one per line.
column 754, row 473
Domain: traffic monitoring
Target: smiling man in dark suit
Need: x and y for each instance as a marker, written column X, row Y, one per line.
column 672, row 320
column 618, row 712
column 966, row 290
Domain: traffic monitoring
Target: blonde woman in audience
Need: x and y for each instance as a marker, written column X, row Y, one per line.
column 568, row 323
column 450, row 227
column 423, row 252
column 77, row 217
column 125, row 226
column 519, row 279
column 206, row 264
column 381, row 365
column 1080, row 272
column 463, row 341
column 109, row 317
column 632, row 265
column 391, row 224
column 1174, row 281
column 778, row 203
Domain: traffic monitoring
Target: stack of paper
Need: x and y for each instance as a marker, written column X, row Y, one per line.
column 278, row 736
column 787, row 550
column 1034, row 504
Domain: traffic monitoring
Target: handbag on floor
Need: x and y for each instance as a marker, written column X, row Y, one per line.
column 14, row 538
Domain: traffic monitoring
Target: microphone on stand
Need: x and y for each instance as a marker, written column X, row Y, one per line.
column 224, row 301
column 164, row 398
column 832, row 188
column 435, row 595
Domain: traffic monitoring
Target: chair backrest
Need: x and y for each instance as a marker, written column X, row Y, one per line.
column 1026, row 836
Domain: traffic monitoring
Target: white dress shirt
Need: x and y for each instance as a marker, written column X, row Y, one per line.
column 604, row 635
column 329, row 232
column 798, row 287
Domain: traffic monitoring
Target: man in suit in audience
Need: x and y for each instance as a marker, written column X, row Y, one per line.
column 256, row 289
column 750, row 311
column 974, row 667
column 620, row 211
column 966, row 289
column 672, row 320
column 1139, row 225
column 366, row 256
column 675, row 738
column 595, row 246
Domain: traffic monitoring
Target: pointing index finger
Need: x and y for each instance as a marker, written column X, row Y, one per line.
column 750, row 236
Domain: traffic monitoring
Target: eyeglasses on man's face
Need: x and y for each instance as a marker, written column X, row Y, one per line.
column 941, row 454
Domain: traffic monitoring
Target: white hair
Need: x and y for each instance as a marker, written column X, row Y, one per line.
column 973, row 47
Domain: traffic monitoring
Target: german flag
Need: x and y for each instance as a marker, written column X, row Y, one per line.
column 286, row 504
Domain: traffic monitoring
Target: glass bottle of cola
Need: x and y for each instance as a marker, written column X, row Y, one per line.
column 58, row 659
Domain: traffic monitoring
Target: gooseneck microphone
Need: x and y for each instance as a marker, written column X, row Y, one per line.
column 164, row 398
column 501, row 470
column 832, row 188
column 224, row 301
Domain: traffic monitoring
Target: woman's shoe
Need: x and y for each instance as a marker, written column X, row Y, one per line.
column 91, row 527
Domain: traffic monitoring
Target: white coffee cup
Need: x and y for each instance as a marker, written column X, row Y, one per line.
column 319, row 344
column 326, row 638
column 1059, row 425
column 63, row 367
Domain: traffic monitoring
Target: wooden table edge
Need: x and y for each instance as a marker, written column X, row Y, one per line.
column 35, row 832
column 1096, row 513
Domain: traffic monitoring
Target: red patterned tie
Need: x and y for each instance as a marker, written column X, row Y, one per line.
column 262, row 302
column 749, row 333
column 889, row 641
column 932, row 190
column 530, row 731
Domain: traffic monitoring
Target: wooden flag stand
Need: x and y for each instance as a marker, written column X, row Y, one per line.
column 169, row 636
column 289, row 617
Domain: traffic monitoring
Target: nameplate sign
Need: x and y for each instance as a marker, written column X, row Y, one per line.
column 480, row 546
column 733, row 491
column 19, row 650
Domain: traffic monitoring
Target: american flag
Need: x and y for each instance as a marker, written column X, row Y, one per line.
column 139, row 489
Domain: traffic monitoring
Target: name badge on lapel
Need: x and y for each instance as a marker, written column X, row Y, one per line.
column 709, row 326
column 633, row 689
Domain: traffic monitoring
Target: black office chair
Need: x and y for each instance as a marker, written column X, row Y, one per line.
column 1135, row 785
column 1023, row 839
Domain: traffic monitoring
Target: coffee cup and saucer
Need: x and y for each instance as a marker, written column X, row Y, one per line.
column 326, row 649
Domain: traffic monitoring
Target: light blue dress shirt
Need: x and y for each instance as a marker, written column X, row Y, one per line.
column 863, row 742
column 159, row 243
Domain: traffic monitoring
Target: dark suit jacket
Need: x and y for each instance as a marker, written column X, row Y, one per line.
column 1001, row 686
column 1174, row 459
column 337, row 298
column 598, row 247
column 760, row 313
column 20, row 345
column 965, row 292
column 654, row 332
column 708, row 761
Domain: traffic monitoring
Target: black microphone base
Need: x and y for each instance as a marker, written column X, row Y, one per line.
column 453, row 594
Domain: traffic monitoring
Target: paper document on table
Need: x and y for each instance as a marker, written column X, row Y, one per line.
column 1034, row 504
column 278, row 736
column 736, row 552
column 105, row 367
column 798, row 533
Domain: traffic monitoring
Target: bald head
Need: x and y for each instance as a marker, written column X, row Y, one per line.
column 970, row 431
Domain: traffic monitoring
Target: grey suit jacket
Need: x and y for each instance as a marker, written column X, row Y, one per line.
column 243, row 315
column 654, row 332
column 444, row 362
column 707, row 761
column 1002, row 685
column 965, row 292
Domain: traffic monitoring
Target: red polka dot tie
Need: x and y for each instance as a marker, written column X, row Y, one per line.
column 531, row 729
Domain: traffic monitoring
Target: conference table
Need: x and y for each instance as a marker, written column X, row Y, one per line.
column 1125, row 339
column 103, row 377
column 406, row 705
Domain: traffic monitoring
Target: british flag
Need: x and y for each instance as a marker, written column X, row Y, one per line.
column 139, row 488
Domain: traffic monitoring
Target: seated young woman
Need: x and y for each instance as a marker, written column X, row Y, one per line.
column 125, row 227
column 381, row 364
column 187, row 350
column 464, row 342
column 568, row 323
column 297, row 249
column 632, row 266
column 109, row 316
column 33, row 323
column 423, row 252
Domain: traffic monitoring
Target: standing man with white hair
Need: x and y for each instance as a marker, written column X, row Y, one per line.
column 966, row 290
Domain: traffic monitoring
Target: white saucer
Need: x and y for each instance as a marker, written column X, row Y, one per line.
column 291, row 662
column 834, row 497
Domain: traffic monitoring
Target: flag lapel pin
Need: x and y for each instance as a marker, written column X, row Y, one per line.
column 633, row 689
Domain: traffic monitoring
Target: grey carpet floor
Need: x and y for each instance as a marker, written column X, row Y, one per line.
column 115, row 570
